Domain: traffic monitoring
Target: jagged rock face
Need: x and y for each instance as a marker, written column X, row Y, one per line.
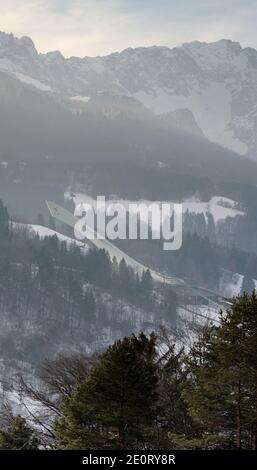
column 215, row 83
column 183, row 120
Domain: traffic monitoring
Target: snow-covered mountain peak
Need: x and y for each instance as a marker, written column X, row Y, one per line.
column 9, row 41
column 221, row 44
column 5, row 39
column 219, row 56
column 52, row 57
column 26, row 41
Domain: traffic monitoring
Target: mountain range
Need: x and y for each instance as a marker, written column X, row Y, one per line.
column 212, row 86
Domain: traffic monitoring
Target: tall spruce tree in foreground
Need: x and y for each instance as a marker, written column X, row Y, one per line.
column 18, row 436
column 115, row 406
column 222, row 386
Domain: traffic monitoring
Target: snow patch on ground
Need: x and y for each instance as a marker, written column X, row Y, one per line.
column 83, row 99
column 230, row 283
column 32, row 81
column 43, row 232
column 219, row 207
column 199, row 314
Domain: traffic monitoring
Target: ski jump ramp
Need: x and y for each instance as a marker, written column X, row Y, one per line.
column 63, row 215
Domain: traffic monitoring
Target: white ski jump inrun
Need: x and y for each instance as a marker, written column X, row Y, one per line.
column 65, row 216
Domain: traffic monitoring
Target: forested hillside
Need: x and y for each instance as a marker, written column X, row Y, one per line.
column 58, row 296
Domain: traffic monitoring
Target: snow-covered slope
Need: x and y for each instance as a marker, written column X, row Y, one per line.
column 215, row 82
column 219, row 207
column 43, row 232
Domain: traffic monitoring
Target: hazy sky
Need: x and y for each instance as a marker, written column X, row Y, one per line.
column 96, row 27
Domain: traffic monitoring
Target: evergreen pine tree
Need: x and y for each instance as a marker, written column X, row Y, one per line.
column 222, row 385
column 147, row 282
column 211, row 228
column 115, row 405
column 18, row 436
column 4, row 222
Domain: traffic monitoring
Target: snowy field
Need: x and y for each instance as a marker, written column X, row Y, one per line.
column 220, row 207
